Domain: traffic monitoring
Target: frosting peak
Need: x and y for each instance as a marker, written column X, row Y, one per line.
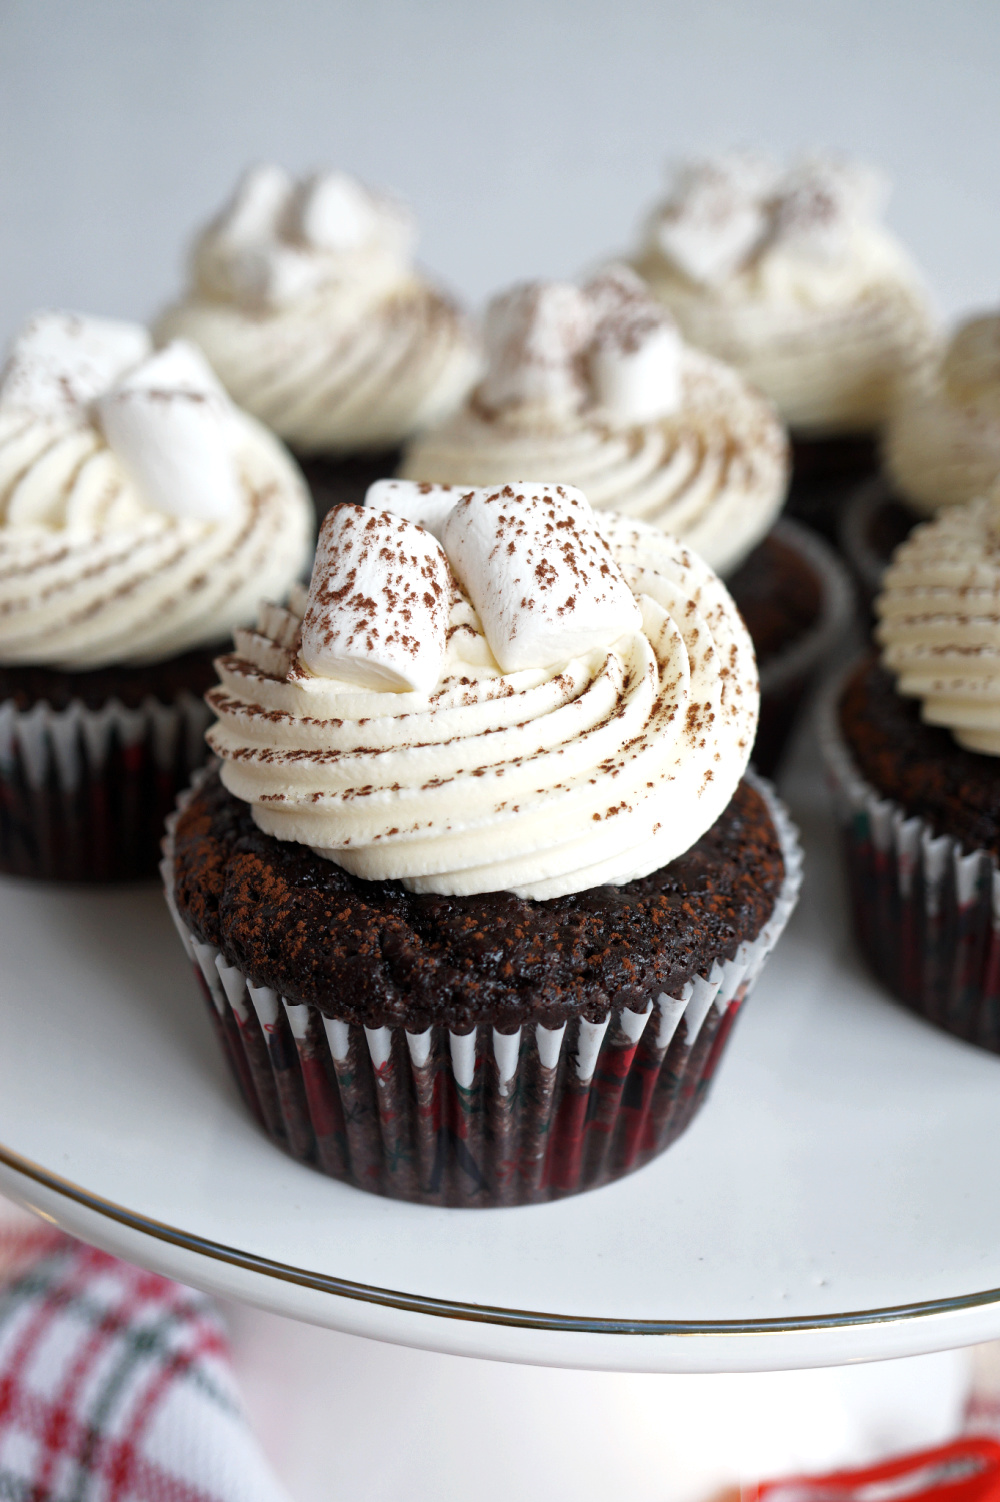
column 939, row 621
column 599, row 765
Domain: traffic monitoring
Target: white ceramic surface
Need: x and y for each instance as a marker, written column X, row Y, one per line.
column 836, row 1199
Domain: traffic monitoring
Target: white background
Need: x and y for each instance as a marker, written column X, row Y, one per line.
column 529, row 135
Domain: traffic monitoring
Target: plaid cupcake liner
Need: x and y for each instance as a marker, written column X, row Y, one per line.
column 84, row 792
column 482, row 1118
column 786, row 678
column 926, row 912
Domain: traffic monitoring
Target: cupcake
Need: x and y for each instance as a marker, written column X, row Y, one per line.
column 481, row 881
column 790, row 277
column 941, row 447
column 140, row 516
column 912, row 743
column 306, row 301
column 594, row 386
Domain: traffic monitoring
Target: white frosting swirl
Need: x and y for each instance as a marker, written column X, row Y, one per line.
column 543, row 782
column 939, row 621
column 711, row 470
column 92, row 574
column 790, row 279
column 942, row 442
column 306, row 303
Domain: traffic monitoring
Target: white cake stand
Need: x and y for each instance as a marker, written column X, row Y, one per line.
column 838, row 1198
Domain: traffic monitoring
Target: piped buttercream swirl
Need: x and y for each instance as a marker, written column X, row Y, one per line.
column 544, row 781
column 939, row 621
column 711, row 470
column 305, row 300
column 791, row 279
column 91, row 575
column 941, row 444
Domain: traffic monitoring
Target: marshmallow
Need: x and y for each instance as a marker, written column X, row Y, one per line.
column 258, row 208
column 417, row 501
column 171, row 427
column 533, row 336
column 819, row 203
column 60, row 362
column 716, row 217
column 333, row 211
column 379, row 603
column 635, row 355
column 539, row 574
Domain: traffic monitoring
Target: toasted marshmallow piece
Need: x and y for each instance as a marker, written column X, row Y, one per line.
column 379, row 602
column 533, row 334
column 635, row 353
column 417, row 501
column 60, row 362
column 171, row 427
column 716, row 217
column 539, row 573
column 971, row 365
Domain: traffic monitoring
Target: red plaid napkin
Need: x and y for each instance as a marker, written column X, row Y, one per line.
column 115, row 1384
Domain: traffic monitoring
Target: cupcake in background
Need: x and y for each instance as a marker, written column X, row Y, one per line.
column 912, row 744
column 593, row 386
column 141, row 515
column 306, row 301
column 940, row 447
column 789, row 275
column 476, row 896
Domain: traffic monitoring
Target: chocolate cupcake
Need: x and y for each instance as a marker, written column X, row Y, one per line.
column 941, row 447
column 140, row 516
column 912, row 746
column 305, row 299
column 593, row 386
column 482, row 882
column 789, row 276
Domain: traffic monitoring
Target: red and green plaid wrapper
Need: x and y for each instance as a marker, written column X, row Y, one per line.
column 482, row 1118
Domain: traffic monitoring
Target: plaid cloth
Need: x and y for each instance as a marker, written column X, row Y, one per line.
column 115, row 1384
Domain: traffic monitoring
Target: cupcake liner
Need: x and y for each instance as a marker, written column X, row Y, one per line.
column 824, row 472
column 482, row 1118
column 926, row 912
column 786, row 677
column 84, row 792
column 862, row 508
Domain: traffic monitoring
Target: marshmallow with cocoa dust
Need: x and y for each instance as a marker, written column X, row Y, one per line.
column 539, row 574
column 171, row 427
column 60, row 362
column 419, row 501
column 634, row 356
column 534, row 335
column 379, row 602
